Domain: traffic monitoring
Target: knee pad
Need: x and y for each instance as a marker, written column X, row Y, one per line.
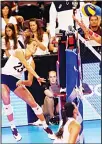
column 8, row 109
column 37, row 110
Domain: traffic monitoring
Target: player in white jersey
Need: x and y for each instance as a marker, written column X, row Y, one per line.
column 70, row 128
column 11, row 80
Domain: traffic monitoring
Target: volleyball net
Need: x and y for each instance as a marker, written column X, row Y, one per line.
column 91, row 59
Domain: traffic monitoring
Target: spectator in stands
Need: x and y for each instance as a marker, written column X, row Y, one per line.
column 40, row 36
column 6, row 15
column 10, row 41
column 14, row 10
column 49, row 88
column 19, row 18
column 52, row 47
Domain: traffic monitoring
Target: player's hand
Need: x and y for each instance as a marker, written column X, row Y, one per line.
column 40, row 80
column 52, row 39
column 19, row 83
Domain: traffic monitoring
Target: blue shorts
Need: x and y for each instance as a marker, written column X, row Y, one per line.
column 10, row 81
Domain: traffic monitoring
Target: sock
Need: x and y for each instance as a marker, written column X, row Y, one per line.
column 44, row 124
column 12, row 124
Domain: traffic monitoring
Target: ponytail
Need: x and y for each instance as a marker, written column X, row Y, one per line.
column 67, row 111
column 59, row 134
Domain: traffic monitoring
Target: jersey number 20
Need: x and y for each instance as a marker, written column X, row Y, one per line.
column 19, row 67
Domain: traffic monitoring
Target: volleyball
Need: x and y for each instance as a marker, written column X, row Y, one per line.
column 90, row 9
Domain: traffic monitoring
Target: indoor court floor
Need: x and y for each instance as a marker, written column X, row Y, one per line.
column 35, row 134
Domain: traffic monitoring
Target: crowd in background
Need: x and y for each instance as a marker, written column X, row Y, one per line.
column 37, row 27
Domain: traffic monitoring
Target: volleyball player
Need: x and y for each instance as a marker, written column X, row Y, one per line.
column 87, row 31
column 20, row 61
column 70, row 129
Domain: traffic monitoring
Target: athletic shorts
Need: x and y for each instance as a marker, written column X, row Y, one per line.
column 10, row 81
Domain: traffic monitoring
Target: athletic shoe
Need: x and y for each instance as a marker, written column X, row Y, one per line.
column 51, row 135
column 37, row 123
column 16, row 134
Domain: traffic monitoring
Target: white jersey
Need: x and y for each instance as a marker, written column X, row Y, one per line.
column 14, row 67
column 66, row 133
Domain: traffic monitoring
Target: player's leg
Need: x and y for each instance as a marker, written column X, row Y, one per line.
column 23, row 93
column 46, row 111
column 49, row 101
column 9, row 111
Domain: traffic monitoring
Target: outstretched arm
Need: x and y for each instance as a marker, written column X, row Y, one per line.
column 19, row 54
column 88, row 32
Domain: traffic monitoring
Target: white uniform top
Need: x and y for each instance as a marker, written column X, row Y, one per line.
column 66, row 133
column 14, row 67
column 12, row 20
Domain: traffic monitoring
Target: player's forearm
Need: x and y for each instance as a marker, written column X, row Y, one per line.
column 48, row 93
column 94, row 36
column 30, row 69
column 97, row 39
column 41, row 46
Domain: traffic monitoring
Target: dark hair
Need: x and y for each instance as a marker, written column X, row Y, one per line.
column 39, row 28
column 93, row 16
column 4, row 5
column 14, row 36
column 67, row 111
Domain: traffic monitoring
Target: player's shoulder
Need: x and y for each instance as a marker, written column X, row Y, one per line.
column 19, row 52
column 75, row 124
